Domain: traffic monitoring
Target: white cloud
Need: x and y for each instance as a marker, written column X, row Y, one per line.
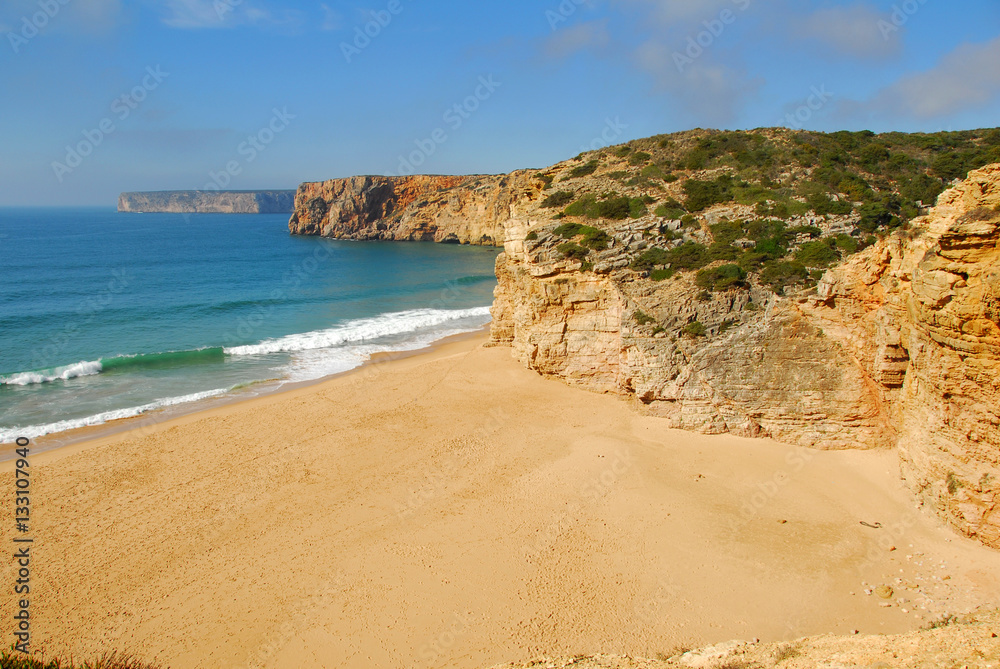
column 966, row 78
column 331, row 20
column 87, row 16
column 569, row 40
column 196, row 14
column 708, row 92
column 853, row 31
column 671, row 12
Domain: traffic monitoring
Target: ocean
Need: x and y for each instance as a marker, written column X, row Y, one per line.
column 106, row 315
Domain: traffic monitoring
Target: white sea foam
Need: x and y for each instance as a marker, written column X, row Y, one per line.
column 361, row 330
column 55, row 374
column 8, row 435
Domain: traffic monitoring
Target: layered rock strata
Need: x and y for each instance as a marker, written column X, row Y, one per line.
column 448, row 209
column 899, row 345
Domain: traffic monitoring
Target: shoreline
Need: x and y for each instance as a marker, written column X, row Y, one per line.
column 257, row 390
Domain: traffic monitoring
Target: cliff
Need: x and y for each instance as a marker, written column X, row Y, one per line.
column 208, row 202
column 773, row 283
column 466, row 210
column 897, row 346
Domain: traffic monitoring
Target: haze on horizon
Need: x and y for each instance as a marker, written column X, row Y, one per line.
column 179, row 94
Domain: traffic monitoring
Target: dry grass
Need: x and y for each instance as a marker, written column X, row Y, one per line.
column 10, row 659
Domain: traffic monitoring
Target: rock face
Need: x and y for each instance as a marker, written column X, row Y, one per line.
column 448, row 209
column 899, row 345
column 208, row 202
column 923, row 314
column 766, row 367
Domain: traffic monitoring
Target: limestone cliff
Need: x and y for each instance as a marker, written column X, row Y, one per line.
column 466, row 210
column 899, row 345
column 208, row 202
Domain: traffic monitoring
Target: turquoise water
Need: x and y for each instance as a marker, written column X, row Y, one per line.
column 106, row 315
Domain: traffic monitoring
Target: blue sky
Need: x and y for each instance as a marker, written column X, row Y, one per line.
column 248, row 94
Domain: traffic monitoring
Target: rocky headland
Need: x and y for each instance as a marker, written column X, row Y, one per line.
column 208, row 202
column 797, row 286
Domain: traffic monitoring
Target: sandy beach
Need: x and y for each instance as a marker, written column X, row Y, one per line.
column 452, row 509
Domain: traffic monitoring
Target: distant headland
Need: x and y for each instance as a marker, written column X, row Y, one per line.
column 209, row 202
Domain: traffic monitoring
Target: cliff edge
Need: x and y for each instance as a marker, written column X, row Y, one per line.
column 447, row 209
column 208, row 202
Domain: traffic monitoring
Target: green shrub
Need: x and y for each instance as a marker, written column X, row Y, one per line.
column 531, row 236
column 703, row 194
column 583, row 170
column 694, row 329
column 546, row 179
column 636, row 208
column 571, row 250
column 810, row 230
column 724, row 277
column 816, row 254
column 689, row 221
column 595, row 239
column 558, row 199
column 877, row 216
column 639, row 158
column 922, row 188
column 569, row 230
column 615, row 208
column 642, row 318
column 581, row 206
column 726, row 232
column 779, row 274
column 846, row 243
column 661, row 274
column 649, row 259
column 722, row 251
column 663, row 211
column 688, row 256
column 592, row 237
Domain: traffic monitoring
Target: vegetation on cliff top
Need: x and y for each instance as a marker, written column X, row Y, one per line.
column 858, row 184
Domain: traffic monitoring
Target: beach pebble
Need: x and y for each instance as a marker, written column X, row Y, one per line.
column 883, row 591
column 885, row 605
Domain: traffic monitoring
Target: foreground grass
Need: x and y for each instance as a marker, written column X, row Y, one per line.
column 15, row 660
